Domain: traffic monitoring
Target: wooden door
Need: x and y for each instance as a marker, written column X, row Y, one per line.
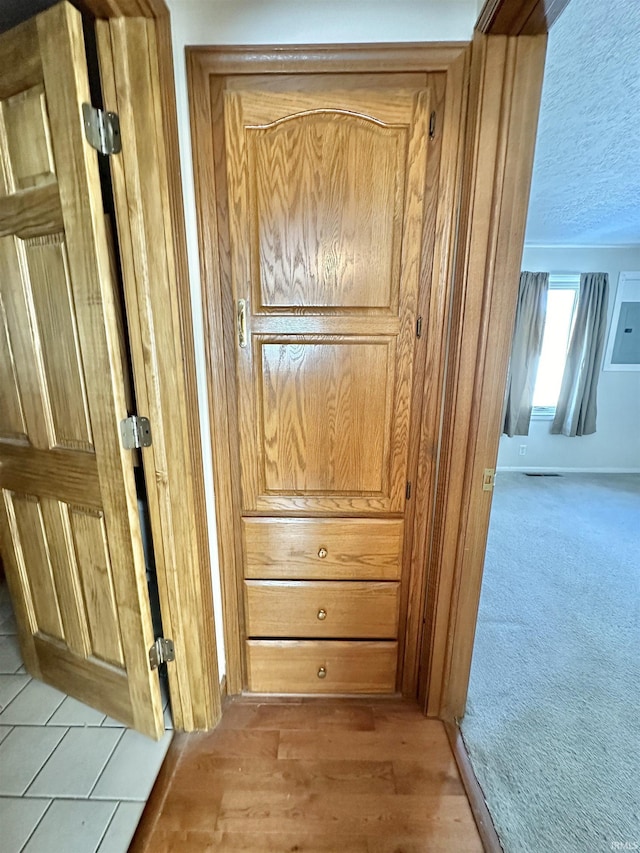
column 69, row 521
column 325, row 181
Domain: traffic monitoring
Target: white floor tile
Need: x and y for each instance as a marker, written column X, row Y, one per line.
column 72, row 826
column 22, row 754
column 18, row 819
column 110, row 723
column 132, row 768
column 76, row 764
column 32, row 706
column 10, row 657
column 10, row 686
column 121, row 828
column 8, row 624
column 74, row 713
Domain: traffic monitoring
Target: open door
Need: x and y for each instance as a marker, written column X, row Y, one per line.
column 70, row 532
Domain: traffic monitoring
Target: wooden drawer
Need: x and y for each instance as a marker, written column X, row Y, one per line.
column 323, row 548
column 321, row 666
column 322, row 609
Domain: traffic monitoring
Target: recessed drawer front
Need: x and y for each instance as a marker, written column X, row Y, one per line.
column 322, row 609
column 323, row 666
column 323, row 548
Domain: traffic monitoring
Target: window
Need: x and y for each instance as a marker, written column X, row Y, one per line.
column 561, row 308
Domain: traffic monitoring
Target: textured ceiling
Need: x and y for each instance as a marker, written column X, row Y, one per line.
column 586, row 177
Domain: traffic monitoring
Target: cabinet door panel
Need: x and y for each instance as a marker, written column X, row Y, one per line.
column 326, row 194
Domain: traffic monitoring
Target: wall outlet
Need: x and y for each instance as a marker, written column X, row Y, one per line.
column 523, row 450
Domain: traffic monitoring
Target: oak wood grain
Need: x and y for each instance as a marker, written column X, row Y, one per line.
column 61, row 474
column 475, row 794
column 438, row 256
column 299, row 181
column 328, row 58
column 322, row 609
column 66, row 86
column 208, row 133
column 32, row 212
column 130, row 64
column 27, row 148
column 175, row 228
column 356, row 549
column 506, row 80
column 326, row 416
column 22, row 67
column 262, row 104
column 71, row 537
column 349, row 258
column 125, row 8
column 36, row 570
column 519, row 17
column 321, row 666
column 88, row 679
column 368, row 797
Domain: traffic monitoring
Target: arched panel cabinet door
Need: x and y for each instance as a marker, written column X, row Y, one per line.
column 71, row 541
column 325, row 195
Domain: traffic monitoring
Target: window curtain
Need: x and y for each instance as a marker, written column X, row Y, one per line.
column 525, row 351
column 576, row 410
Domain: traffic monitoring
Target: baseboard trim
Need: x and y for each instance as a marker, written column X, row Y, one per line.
column 475, row 794
column 535, row 469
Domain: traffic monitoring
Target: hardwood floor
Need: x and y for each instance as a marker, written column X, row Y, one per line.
column 311, row 776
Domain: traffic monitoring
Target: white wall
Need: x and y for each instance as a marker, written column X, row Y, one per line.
column 283, row 22
column 615, row 446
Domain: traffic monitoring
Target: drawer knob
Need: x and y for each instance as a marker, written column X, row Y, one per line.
column 322, row 672
column 322, row 614
column 322, row 553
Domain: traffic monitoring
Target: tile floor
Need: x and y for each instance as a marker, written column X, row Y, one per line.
column 71, row 779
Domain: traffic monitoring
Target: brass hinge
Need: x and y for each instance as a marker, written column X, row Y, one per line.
column 408, row 490
column 432, row 125
column 135, row 432
column 488, row 479
column 162, row 651
column 102, row 129
column 419, row 327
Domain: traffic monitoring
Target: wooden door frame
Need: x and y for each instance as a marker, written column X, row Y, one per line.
column 507, row 66
column 187, row 602
column 209, row 64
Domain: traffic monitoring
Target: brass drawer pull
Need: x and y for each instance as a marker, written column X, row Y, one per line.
column 322, row 553
column 322, row 614
column 322, row 672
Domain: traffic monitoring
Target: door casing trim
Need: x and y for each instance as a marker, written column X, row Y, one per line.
column 207, row 66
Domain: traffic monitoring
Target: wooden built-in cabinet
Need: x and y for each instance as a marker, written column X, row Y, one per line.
column 326, row 187
column 325, row 190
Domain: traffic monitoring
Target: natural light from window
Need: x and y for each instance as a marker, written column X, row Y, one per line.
column 561, row 304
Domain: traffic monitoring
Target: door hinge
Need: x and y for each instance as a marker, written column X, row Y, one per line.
column 432, row 125
column 488, row 479
column 102, row 129
column 162, row 651
column 419, row 327
column 135, row 432
column 408, row 490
